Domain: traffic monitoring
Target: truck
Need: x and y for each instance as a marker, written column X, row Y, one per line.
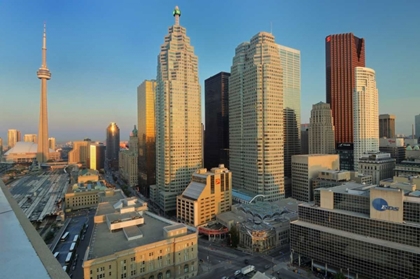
column 247, row 269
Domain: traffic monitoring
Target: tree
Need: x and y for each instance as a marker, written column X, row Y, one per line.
column 234, row 236
column 339, row 276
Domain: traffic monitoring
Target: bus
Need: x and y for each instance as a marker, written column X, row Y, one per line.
column 73, row 245
column 69, row 255
column 56, row 254
column 76, row 237
column 65, row 236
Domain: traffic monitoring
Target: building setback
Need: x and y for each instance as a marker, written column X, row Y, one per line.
column 178, row 117
column 216, row 141
column 256, row 118
column 343, row 52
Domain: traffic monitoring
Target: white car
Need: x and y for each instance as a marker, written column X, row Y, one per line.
column 237, row 272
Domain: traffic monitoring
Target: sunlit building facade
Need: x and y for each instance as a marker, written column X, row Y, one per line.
column 256, row 118
column 290, row 63
column 112, row 145
column 147, row 135
column 80, row 153
column 365, row 113
column 128, row 160
column 13, row 136
column 29, row 138
column 208, row 194
column 178, row 117
column 51, row 143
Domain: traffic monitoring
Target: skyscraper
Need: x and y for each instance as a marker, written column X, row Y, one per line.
column 343, row 53
column 178, row 117
column 147, row 135
column 321, row 130
column 43, row 74
column 365, row 113
column 112, row 145
column 51, row 143
column 256, row 118
column 13, row 136
column 129, row 159
column 290, row 63
column 29, row 138
column 216, row 143
column 387, row 126
column 417, row 125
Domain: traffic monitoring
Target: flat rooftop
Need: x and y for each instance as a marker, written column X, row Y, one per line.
column 351, row 188
column 107, row 243
column 358, row 237
column 23, row 253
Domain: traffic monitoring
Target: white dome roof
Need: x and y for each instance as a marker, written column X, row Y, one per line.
column 24, row 147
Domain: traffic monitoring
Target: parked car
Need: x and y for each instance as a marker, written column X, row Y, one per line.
column 237, row 272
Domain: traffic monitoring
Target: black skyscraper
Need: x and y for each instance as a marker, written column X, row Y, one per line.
column 112, row 145
column 216, row 141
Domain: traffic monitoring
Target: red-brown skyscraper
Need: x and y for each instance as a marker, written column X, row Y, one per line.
column 343, row 52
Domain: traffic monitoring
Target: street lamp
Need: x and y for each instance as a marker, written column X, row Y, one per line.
column 348, row 273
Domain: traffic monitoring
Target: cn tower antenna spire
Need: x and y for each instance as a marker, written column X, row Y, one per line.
column 177, row 15
column 44, row 47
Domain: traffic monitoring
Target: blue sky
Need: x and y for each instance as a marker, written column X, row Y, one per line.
column 99, row 51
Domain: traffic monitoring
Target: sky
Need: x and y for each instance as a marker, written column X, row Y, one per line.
column 99, row 51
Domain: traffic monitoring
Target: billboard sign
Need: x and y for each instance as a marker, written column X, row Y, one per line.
column 382, row 205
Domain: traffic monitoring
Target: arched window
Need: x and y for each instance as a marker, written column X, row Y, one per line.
column 186, row 268
column 152, row 277
column 168, row 274
column 160, row 275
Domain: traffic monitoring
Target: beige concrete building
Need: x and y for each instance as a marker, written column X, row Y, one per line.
column 83, row 195
column 29, row 138
column 256, row 132
column 387, row 126
column 131, row 242
column 178, row 117
column 305, row 168
column 208, row 194
column 331, row 178
column 87, row 175
column 379, row 165
column 13, row 136
column 80, row 152
column 365, row 113
column 321, row 130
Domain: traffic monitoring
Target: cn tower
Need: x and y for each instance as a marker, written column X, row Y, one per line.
column 44, row 75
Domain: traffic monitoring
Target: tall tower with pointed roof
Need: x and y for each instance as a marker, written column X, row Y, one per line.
column 178, row 117
column 43, row 74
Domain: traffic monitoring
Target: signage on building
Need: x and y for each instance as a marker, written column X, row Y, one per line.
column 217, row 181
column 344, row 146
column 382, row 205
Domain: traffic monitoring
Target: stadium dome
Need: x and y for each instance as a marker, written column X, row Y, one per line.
column 416, row 147
column 409, row 148
column 22, row 147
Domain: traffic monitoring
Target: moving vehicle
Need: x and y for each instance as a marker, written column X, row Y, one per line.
column 76, row 237
column 68, row 259
column 237, row 272
column 56, row 254
column 65, row 236
column 73, row 245
column 247, row 269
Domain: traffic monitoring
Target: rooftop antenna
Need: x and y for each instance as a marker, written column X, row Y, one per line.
column 271, row 27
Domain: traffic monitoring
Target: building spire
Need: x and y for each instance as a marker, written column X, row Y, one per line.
column 177, row 15
column 44, row 47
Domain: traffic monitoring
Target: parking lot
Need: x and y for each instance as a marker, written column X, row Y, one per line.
column 78, row 219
